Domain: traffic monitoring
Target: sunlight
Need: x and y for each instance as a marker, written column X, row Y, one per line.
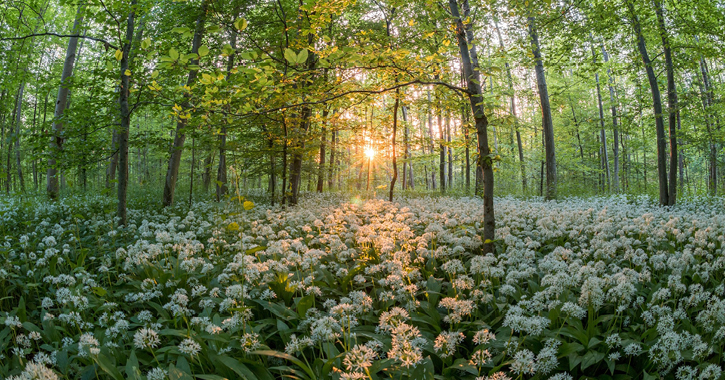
column 370, row 152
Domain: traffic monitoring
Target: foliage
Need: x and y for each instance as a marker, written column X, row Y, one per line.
column 597, row 288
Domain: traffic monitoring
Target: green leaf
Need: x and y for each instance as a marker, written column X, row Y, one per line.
column 282, row 355
column 240, row 24
column 180, row 30
column 239, row 368
column 98, row 290
column 203, row 51
column 145, row 44
column 178, row 374
column 302, row 56
column 305, row 304
column 290, row 56
column 108, row 367
column 174, row 54
column 132, row 367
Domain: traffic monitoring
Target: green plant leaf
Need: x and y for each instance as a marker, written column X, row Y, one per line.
column 290, row 56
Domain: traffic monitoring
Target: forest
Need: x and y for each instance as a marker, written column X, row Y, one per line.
column 362, row 189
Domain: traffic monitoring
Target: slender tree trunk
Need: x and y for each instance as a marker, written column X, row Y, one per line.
column 221, row 180
column 125, row 119
column 18, row 122
column 657, row 105
column 468, row 149
column 395, row 131
column 604, row 157
column 56, row 145
column 441, row 150
column 547, row 123
column 323, row 142
column 469, row 61
column 333, row 149
column 615, row 130
column 172, row 172
column 671, row 104
column 512, row 109
column 450, row 152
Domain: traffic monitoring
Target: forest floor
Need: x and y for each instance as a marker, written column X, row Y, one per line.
column 345, row 288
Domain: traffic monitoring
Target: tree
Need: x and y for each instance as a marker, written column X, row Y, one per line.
column 56, row 143
column 469, row 61
column 547, row 123
column 656, row 105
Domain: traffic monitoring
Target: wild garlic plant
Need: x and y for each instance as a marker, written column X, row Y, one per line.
column 335, row 289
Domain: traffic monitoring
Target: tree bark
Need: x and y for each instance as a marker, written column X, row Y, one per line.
column 18, row 122
column 615, row 130
column 323, row 143
column 547, row 123
column 469, row 61
column 602, row 132
column 656, row 104
column 395, row 132
column 673, row 111
column 172, row 172
column 56, row 144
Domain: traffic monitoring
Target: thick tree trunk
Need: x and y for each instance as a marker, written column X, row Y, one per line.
column 657, row 105
column 172, row 172
column 671, row 103
column 547, row 123
column 469, row 61
column 56, row 145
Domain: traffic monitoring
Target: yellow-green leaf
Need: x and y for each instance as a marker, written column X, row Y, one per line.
column 127, row 73
column 302, row 56
column 203, row 50
column 118, row 55
column 290, row 55
column 145, row 44
column 174, row 54
column 240, row 24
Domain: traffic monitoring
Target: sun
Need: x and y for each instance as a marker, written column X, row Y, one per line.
column 369, row 152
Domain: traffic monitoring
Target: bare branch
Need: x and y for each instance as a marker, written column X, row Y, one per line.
column 59, row 35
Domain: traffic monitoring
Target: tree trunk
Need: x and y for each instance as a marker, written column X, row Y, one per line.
column 469, row 61
column 395, row 131
column 441, row 150
column 615, row 130
column 323, row 142
column 671, row 104
column 18, row 122
column 512, row 108
column 657, row 105
column 547, row 123
column 126, row 63
column 333, row 148
column 172, row 172
column 604, row 157
column 56, row 143
column 450, row 152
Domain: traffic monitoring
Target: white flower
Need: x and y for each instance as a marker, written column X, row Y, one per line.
column 189, row 346
column 146, row 338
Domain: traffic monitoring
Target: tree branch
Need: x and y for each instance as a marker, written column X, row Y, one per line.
column 59, row 35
